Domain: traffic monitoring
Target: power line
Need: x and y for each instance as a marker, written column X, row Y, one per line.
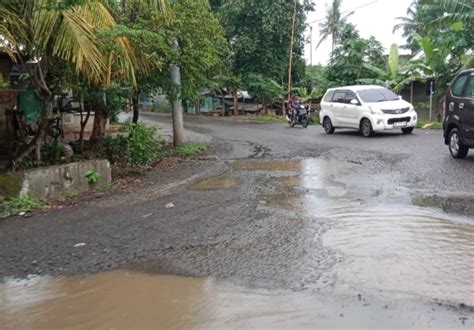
column 347, row 11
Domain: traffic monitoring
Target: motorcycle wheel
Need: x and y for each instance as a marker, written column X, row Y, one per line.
column 292, row 123
column 305, row 122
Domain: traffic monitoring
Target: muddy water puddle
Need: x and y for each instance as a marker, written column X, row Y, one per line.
column 127, row 300
column 216, row 183
column 405, row 249
column 390, row 247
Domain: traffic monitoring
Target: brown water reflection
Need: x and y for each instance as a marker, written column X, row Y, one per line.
column 136, row 300
column 216, row 183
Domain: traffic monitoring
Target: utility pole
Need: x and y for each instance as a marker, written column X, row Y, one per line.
column 291, row 49
column 311, row 46
column 176, row 106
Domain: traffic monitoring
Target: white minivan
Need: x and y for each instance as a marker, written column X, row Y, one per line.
column 366, row 108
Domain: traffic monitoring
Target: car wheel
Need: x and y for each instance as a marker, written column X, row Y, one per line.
column 366, row 128
column 457, row 149
column 408, row 130
column 327, row 124
column 305, row 122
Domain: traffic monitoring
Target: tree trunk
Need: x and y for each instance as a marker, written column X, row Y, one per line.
column 100, row 118
column 35, row 143
column 136, row 110
column 176, row 107
column 236, row 103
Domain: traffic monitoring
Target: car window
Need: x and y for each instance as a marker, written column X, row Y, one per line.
column 459, row 85
column 339, row 97
column 377, row 95
column 350, row 96
column 469, row 90
column 328, row 96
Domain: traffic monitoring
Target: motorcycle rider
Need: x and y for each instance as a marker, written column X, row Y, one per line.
column 294, row 107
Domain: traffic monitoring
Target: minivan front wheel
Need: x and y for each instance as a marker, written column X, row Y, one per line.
column 327, row 124
column 366, row 128
column 457, row 149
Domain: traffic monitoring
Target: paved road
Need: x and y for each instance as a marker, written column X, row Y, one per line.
column 420, row 160
column 351, row 225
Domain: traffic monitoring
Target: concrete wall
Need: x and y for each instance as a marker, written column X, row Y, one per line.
column 54, row 182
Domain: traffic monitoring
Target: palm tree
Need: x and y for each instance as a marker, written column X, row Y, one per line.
column 48, row 33
column 409, row 24
column 455, row 11
column 333, row 23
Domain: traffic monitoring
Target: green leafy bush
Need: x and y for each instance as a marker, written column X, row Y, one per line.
column 51, row 152
column 93, row 176
column 15, row 206
column 144, row 143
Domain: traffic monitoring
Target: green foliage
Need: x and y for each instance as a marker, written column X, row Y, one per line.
column 144, row 143
column 260, row 33
column 93, row 176
column 396, row 74
column 264, row 90
column 346, row 65
column 51, row 152
column 14, row 206
column 189, row 149
column 117, row 99
column 316, row 80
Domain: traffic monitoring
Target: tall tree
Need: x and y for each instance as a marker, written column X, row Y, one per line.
column 333, row 24
column 346, row 65
column 260, row 34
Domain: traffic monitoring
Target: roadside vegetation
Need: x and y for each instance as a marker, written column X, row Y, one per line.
column 16, row 206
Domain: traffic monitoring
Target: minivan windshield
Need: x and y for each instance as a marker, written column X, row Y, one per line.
column 377, row 95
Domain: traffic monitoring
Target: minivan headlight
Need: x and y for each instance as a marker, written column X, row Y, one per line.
column 375, row 111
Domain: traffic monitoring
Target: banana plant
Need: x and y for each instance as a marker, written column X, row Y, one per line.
column 396, row 75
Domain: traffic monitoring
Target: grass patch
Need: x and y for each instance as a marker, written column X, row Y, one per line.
column 270, row 119
column 435, row 124
column 184, row 150
column 14, row 206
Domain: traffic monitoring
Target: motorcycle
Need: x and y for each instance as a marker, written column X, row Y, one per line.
column 299, row 116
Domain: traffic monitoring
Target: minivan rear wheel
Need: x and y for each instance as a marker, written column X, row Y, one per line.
column 327, row 124
column 457, row 149
column 366, row 128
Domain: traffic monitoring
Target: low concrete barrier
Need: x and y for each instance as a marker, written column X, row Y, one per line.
column 55, row 182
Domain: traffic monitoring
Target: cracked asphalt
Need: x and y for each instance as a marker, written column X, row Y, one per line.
column 389, row 219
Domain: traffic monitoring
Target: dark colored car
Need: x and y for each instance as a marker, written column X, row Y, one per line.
column 459, row 114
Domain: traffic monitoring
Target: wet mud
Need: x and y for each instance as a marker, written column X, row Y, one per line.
column 136, row 300
column 215, row 183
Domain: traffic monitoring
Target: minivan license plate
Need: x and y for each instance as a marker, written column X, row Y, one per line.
column 400, row 124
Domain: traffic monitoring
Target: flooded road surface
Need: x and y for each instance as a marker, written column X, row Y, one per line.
column 137, row 300
column 391, row 247
column 405, row 249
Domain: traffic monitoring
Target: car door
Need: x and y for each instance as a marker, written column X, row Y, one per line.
column 456, row 104
column 350, row 111
column 336, row 106
column 466, row 106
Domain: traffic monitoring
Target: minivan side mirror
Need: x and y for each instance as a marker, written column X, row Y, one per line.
column 400, row 97
column 354, row 102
